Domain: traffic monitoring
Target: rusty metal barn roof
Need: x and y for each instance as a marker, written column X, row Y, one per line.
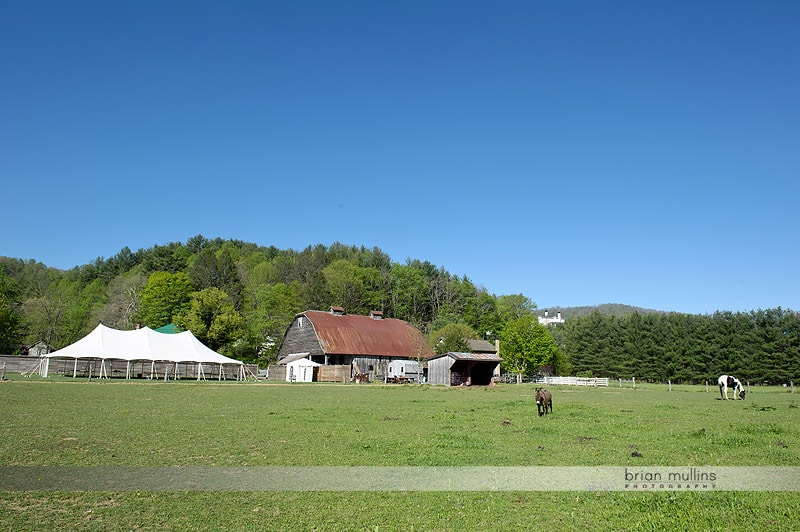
column 350, row 334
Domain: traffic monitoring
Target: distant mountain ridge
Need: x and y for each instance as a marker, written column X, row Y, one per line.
column 612, row 309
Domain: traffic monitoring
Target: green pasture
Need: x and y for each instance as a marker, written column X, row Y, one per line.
column 60, row 422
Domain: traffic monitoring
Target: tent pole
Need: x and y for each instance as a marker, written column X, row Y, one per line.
column 175, row 377
column 128, row 370
column 75, row 369
column 152, row 368
column 46, row 367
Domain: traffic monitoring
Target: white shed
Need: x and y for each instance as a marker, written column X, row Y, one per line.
column 299, row 368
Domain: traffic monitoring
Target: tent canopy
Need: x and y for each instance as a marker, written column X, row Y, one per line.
column 141, row 344
column 169, row 328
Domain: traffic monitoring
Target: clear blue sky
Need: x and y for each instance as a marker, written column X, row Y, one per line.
column 577, row 152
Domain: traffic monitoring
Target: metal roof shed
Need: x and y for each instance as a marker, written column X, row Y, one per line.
column 462, row 369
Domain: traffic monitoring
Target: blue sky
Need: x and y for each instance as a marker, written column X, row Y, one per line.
column 577, row 152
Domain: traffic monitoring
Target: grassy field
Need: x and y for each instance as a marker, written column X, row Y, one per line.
column 60, row 422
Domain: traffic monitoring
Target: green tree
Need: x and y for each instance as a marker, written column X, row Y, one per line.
column 357, row 289
column 213, row 319
column 480, row 313
column 452, row 338
column 217, row 269
column 56, row 314
column 122, row 305
column 511, row 307
column 272, row 309
column 170, row 258
column 10, row 319
column 165, row 296
column 409, row 294
column 526, row 346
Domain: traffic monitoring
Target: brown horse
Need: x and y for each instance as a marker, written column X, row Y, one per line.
column 544, row 401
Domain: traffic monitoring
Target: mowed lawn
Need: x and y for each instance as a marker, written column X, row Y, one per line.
column 61, row 422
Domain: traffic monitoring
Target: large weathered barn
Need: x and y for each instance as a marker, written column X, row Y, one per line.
column 348, row 345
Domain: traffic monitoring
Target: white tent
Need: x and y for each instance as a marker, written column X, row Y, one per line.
column 142, row 345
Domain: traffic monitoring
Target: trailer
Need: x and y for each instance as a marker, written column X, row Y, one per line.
column 404, row 370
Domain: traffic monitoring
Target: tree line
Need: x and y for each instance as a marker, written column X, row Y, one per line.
column 239, row 298
column 761, row 346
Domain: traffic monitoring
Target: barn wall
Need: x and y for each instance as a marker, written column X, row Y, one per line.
column 375, row 367
column 19, row 364
column 439, row 370
column 334, row 374
column 300, row 340
column 277, row 373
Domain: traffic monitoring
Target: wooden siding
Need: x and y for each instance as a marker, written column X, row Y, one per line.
column 276, row 373
column 301, row 340
column 333, row 373
column 439, row 370
column 455, row 369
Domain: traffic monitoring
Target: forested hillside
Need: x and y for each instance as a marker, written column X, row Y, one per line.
column 612, row 309
column 239, row 297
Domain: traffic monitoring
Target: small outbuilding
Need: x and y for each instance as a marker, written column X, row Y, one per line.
column 298, row 368
column 463, row 369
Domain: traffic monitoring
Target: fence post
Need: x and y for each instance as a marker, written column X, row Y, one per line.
column 706, row 386
column 669, row 383
column 633, row 380
column 791, row 382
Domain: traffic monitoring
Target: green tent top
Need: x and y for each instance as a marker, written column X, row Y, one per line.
column 169, row 328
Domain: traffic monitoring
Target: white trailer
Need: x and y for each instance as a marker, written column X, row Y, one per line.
column 404, row 370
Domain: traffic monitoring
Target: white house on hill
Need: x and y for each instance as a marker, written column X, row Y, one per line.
column 548, row 320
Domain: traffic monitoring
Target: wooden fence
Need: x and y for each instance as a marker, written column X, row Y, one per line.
column 573, row 381
column 111, row 368
column 512, row 378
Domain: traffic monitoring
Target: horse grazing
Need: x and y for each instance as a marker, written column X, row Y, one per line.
column 544, row 401
column 729, row 381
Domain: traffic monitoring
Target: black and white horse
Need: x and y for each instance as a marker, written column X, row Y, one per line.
column 729, row 381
